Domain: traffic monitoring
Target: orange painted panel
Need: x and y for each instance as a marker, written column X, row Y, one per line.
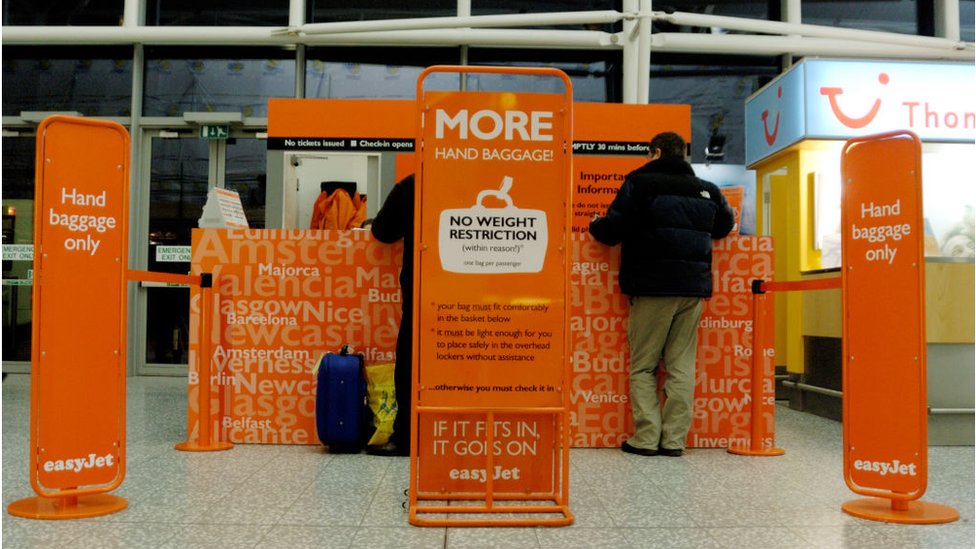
column 79, row 338
column 885, row 416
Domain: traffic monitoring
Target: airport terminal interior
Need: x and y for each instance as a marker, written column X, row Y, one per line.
column 191, row 82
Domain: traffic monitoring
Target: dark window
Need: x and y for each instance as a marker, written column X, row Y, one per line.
column 717, row 95
column 218, row 80
column 92, row 81
column 217, row 13
column 18, row 229
column 374, row 73
column 500, row 7
column 901, row 16
column 595, row 75
column 324, row 11
column 63, row 12
column 967, row 12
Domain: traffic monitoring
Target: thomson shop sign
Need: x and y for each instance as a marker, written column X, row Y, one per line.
column 840, row 99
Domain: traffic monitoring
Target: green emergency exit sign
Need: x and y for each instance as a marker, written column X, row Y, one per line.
column 214, row 132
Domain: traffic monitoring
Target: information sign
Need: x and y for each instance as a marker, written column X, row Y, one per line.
column 492, row 280
column 885, row 416
column 79, row 324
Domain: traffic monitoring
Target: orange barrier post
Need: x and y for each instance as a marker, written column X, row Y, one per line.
column 885, row 424
column 205, row 440
column 756, row 446
column 78, row 369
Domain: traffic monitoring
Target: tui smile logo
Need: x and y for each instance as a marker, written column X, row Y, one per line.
column 833, row 93
column 771, row 136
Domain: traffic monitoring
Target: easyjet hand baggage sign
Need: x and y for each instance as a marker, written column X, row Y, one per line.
column 885, row 415
column 491, row 280
column 78, row 377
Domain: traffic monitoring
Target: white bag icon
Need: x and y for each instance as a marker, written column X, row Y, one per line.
column 493, row 240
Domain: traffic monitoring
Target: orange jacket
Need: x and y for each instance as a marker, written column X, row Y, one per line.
column 338, row 210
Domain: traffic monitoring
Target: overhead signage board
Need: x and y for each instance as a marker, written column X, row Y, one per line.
column 843, row 98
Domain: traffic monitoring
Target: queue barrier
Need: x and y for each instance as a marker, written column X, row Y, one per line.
column 759, row 311
column 205, row 441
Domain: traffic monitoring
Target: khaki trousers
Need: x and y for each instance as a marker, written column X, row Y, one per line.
column 662, row 327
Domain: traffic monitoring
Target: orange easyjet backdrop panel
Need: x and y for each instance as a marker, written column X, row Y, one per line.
column 283, row 298
column 81, row 254
column 885, row 416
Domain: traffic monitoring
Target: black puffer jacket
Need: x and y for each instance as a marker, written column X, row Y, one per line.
column 393, row 222
column 666, row 219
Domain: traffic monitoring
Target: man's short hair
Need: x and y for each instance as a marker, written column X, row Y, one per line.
column 671, row 144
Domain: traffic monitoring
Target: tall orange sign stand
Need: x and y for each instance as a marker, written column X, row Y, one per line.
column 885, row 408
column 490, row 430
column 77, row 423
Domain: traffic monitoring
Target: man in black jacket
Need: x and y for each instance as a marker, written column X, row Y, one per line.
column 665, row 219
column 392, row 223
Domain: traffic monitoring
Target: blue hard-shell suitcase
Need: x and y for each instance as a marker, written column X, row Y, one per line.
column 341, row 410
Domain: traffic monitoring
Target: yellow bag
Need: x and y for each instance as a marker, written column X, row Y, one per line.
column 381, row 394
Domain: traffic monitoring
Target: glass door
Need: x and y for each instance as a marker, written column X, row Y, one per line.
column 18, row 250
column 181, row 170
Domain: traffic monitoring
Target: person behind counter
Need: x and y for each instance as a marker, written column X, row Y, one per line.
column 392, row 223
column 665, row 219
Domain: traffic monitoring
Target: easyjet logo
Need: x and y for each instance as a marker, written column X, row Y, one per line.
column 93, row 461
column 771, row 135
column 852, row 121
column 893, row 467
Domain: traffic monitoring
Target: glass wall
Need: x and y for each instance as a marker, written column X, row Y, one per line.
column 92, row 81
column 324, row 11
column 595, row 75
column 967, row 14
column 18, row 239
column 241, row 80
column 90, row 12
column 217, row 13
column 899, row 16
column 717, row 95
column 375, row 73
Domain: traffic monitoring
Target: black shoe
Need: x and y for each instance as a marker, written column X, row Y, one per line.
column 639, row 451
column 388, row 449
column 671, row 452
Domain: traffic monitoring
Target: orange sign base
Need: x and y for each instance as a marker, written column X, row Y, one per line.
column 69, row 507
column 196, row 447
column 900, row 511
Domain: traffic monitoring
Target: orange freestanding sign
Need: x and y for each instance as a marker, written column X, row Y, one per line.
column 78, row 364
column 885, row 413
column 492, row 281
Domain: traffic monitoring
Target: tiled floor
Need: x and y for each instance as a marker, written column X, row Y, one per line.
column 293, row 496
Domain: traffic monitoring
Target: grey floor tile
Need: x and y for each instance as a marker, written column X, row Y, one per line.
column 399, row 538
column 669, row 538
column 756, row 537
column 302, row 496
column 492, row 538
